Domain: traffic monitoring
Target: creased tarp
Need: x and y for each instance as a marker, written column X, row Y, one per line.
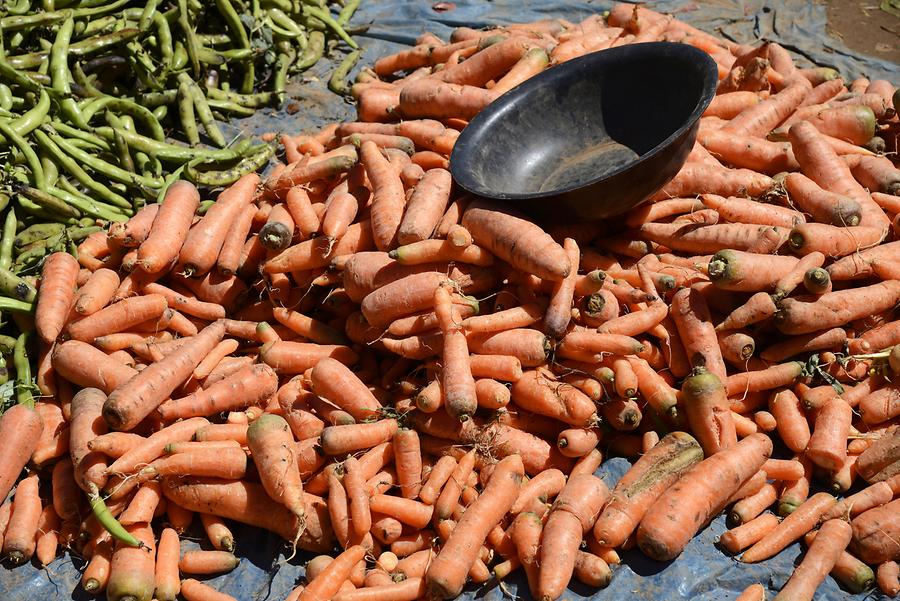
column 702, row 572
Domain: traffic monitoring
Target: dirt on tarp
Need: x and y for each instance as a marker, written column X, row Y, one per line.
column 864, row 27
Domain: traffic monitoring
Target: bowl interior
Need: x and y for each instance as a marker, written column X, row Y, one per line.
column 583, row 121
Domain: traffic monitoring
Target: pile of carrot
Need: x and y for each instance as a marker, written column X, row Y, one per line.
column 359, row 357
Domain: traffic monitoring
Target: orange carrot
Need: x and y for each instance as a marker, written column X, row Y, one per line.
column 820, row 558
column 194, row 590
column 131, row 402
column 691, row 316
column 19, row 539
column 131, row 570
column 168, row 582
column 337, row 440
column 408, row 459
column 247, row 386
column 170, row 227
column 748, row 533
column 97, row 292
column 760, row 119
column 58, row 277
column 132, row 232
column 887, row 576
column 798, row 523
column 680, row 511
column 457, row 383
column 96, row 573
column 707, row 239
column 758, row 307
column 118, row 317
column 447, row 573
column 516, row 240
column 708, row 413
column 751, row 506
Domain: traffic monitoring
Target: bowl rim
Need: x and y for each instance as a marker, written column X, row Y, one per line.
column 709, row 71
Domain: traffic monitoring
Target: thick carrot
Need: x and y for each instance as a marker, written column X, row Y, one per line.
column 170, row 227
column 19, row 539
column 887, row 578
column 447, row 573
column 828, row 443
column 876, row 461
column 426, row 206
column 559, row 310
column 131, row 570
column 194, row 590
column 20, row 430
column 836, row 308
column 326, row 583
column 748, row 272
column 772, row 377
column 154, row 446
column 457, row 382
column 730, row 104
column 296, row 357
column 408, row 459
column 759, row 119
column 207, row 562
column 876, row 495
column 132, row 232
column 248, row 386
column 131, row 402
column 229, row 257
column 799, row 522
column 708, row 413
column 653, row 473
column 516, row 240
column 820, row 559
column 758, row 307
column 537, row 392
column 58, row 277
column 96, row 573
column 337, row 440
column 680, row 511
column 748, row 152
column 708, row 239
column 271, row 444
column 97, row 292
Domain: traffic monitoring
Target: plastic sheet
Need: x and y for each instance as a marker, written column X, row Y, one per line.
column 703, row 572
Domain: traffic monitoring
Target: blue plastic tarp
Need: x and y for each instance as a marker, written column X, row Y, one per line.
column 703, row 572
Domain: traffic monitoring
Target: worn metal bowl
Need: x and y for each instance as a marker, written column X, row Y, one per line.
column 592, row 137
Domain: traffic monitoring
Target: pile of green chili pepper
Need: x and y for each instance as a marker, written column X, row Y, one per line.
column 103, row 103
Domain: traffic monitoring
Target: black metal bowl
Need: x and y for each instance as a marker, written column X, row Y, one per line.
column 592, row 137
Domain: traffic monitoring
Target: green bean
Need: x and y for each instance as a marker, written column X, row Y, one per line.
column 51, row 173
column 79, row 13
column 12, row 75
column 100, row 166
column 204, row 206
column 313, row 52
column 71, row 166
column 186, row 114
column 18, row 7
column 77, row 234
column 37, row 172
column 110, row 523
column 59, row 74
column 338, row 81
column 36, row 232
column 7, row 239
column 145, row 115
column 78, row 134
column 155, row 99
column 160, row 112
column 214, row 39
column 24, row 385
column 123, row 153
column 226, row 106
column 29, row 121
column 202, row 110
column 284, row 25
column 164, row 37
column 4, row 200
column 91, row 106
column 89, row 29
column 252, row 162
column 45, row 200
column 6, row 97
column 190, row 37
column 69, row 194
column 246, row 100
column 284, row 5
column 147, row 14
column 233, row 22
column 102, row 42
column 7, row 344
column 15, row 287
column 179, row 57
column 171, row 179
column 282, row 64
column 347, row 11
column 4, row 370
column 39, row 19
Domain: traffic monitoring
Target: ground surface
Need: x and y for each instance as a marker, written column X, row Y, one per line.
column 865, row 28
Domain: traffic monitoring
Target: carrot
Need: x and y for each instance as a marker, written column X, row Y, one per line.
column 387, row 199
column 887, row 578
column 271, row 444
column 875, row 462
column 836, row 308
column 19, row 539
column 247, row 386
column 573, row 514
column 708, row 414
column 760, row 119
column 860, row 265
column 536, row 392
column 337, row 440
column 730, row 104
column 132, row 232
column 326, row 583
column 446, row 575
column 227, row 463
column 775, row 376
column 820, row 558
column 792, row 425
column 457, row 382
column 516, row 240
column 56, row 296
column 747, row 534
column 875, row 534
column 825, row 207
column 408, row 459
column 20, row 430
column 118, row 317
column 833, row 241
column 707, row 239
column 679, row 512
column 130, row 572
column 97, row 292
column 795, row 525
column 653, row 473
column 207, row 562
column 170, row 227
column 828, row 443
column 236, row 432
column 745, row 151
column 333, row 381
column 131, row 402
column 691, row 315
column 96, row 573
column 194, row 590
column 758, row 307
column 876, row 495
column 152, row 447
column 338, row 509
column 736, row 270
column 426, row 206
